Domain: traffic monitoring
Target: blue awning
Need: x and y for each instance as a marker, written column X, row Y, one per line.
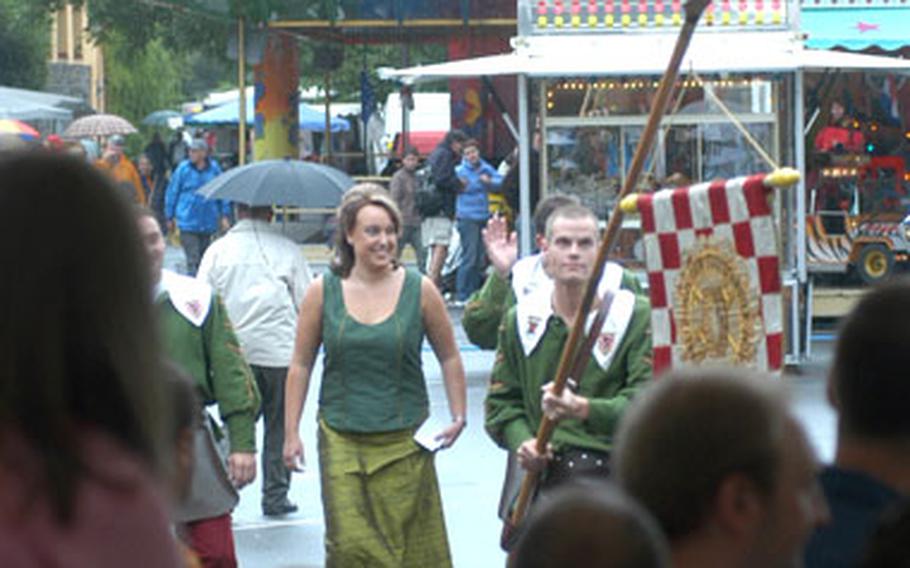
column 856, row 28
column 229, row 114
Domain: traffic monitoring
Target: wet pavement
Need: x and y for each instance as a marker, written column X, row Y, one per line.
column 470, row 474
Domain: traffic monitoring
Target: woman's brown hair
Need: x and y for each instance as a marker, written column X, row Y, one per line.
column 354, row 200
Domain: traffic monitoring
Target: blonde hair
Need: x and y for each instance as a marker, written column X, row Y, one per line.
column 354, row 200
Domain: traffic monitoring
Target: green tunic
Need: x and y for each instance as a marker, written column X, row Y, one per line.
column 211, row 355
column 513, row 411
column 373, row 378
column 486, row 307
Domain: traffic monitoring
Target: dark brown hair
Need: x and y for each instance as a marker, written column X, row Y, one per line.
column 690, row 430
column 354, row 200
column 871, row 358
column 80, row 345
column 546, row 207
column 589, row 522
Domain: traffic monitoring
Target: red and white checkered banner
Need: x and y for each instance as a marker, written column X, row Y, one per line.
column 712, row 258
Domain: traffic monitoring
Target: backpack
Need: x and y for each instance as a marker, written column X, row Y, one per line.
column 427, row 199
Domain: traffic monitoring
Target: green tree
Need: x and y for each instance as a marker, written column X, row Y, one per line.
column 24, row 44
column 141, row 81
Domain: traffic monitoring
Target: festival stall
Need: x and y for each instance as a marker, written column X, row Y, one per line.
column 589, row 70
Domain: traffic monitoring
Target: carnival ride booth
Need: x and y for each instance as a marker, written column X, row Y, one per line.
column 857, row 179
column 592, row 128
column 590, row 71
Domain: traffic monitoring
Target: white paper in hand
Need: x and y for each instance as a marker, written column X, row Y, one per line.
column 426, row 434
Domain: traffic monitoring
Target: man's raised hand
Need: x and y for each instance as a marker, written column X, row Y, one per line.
column 501, row 245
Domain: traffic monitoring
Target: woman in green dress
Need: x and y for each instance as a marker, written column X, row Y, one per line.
column 379, row 490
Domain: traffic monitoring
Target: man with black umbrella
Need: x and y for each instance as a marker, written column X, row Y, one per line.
column 262, row 276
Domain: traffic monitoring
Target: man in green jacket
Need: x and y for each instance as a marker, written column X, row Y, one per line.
column 198, row 336
column 512, row 278
column 530, row 343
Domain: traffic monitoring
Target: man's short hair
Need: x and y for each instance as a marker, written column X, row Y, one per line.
column 455, row 135
column 199, row 144
column 253, row 211
column 871, row 361
column 547, row 206
column 683, row 436
column 572, row 211
column 589, row 523
column 411, row 151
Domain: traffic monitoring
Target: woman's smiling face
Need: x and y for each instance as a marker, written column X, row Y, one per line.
column 374, row 237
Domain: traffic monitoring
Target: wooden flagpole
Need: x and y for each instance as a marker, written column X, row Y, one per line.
column 693, row 9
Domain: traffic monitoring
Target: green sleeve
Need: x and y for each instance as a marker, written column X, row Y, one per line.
column 631, row 283
column 506, row 420
column 484, row 310
column 232, row 380
column 632, row 366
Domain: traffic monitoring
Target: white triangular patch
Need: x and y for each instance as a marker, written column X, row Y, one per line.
column 190, row 297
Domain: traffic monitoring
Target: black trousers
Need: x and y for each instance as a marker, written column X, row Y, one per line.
column 194, row 245
column 276, row 478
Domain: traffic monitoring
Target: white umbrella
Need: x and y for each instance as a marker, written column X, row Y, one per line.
column 98, row 125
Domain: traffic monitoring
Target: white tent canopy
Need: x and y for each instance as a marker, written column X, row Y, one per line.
column 23, row 104
column 648, row 54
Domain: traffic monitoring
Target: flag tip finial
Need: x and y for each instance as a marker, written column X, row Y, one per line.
column 782, row 177
column 629, row 204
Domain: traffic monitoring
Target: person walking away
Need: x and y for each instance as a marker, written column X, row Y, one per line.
column 198, row 336
column 157, row 152
column 197, row 218
column 436, row 229
column 178, row 148
column 84, row 416
column 121, row 169
column 262, row 276
column 371, row 315
column 403, row 188
column 154, row 185
column 472, row 209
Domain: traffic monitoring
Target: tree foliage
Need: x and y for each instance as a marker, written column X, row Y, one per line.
column 190, row 37
column 24, row 44
column 182, row 25
column 142, row 81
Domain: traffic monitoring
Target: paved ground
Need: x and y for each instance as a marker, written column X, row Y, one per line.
column 470, row 474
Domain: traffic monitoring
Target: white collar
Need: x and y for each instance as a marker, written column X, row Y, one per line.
column 191, row 298
column 534, row 311
column 528, row 274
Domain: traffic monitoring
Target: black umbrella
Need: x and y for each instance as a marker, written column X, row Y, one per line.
column 280, row 182
column 165, row 118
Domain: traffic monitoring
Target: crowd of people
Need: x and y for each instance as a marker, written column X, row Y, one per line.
column 109, row 452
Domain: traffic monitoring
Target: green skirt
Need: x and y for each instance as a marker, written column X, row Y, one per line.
column 381, row 501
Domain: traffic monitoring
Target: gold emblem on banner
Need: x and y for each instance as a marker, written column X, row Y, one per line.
column 716, row 313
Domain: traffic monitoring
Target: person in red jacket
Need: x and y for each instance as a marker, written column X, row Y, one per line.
column 839, row 136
